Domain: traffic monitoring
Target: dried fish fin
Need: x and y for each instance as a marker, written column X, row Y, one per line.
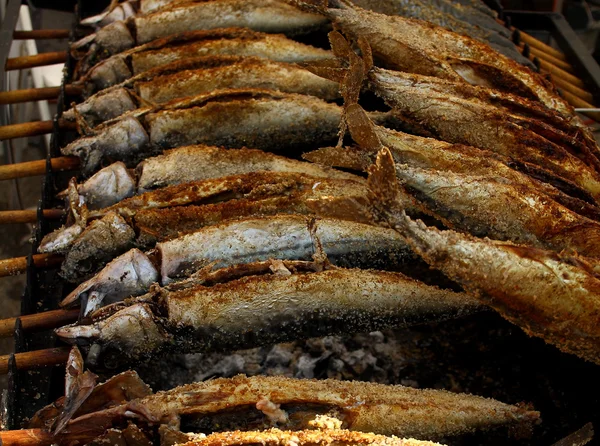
column 578, row 438
column 79, row 384
column 362, row 128
column 344, row 157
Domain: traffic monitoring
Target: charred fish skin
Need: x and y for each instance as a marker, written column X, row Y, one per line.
column 458, row 120
column 264, row 119
column 219, row 42
column 551, row 296
column 471, row 203
column 192, row 163
column 291, row 121
column 361, row 406
column 225, row 73
column 347, row 244
column 406, row 45
column 266, row 309
column 272, row 16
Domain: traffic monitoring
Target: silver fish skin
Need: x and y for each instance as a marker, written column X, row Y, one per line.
column 272, row 16
column 470, row 203
column 215, row 73
column 419, row 47
column 361, row 406
column 292, row 237
column 520, row 111
column 264, row 119
column 101, row 241
column 472, row 122
column 267, row 309
column 219, row 42
column 552, row 296
column 108, row 186
column 128, row 275
column 199, row 162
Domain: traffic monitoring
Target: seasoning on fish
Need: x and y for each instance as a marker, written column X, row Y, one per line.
column 552, row 296
column 197, row 76
column 360, row 406
column 260, row 119
column 272, row 16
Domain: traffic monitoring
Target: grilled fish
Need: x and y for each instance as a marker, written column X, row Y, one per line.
column 454, row 17
column 519, row 111
column 229, row 41
column 261, row 119
column 419, row 47
column 271, row 16
column 473, row 122
column 429, row 153
column 360, row 406
column 197, row 76
column 265, row 309
column 186, row 164
column 552, row 296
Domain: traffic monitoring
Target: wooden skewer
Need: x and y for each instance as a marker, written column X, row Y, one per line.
column 39, row 321
column 36, row 359
column 566, row 86
column 28, row 216
column 580, row 103
column 32, row 129
column 541, row 46
column 557, row 72
column 18, row 265
column 26, row 437
column 33, row 168
column 37, row 94
column 549, row 58
column 40, row 34
column 39, row 60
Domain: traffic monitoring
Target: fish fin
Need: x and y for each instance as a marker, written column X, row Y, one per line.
column 78, row 386
column 362, row 128
column 82, row 126
column 385, row 192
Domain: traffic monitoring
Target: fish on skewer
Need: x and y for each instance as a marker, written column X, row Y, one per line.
column 552, row 296
column 178, row 48
column 273, row 16
column 261, row 119
column 198, row 76
column 429, row 153
column 186, row 164
column 467, row 121
column 169, row 212
column 419, row 47
column 346, row 243
column 454, row 17
column 262, row 309
column 298, row 404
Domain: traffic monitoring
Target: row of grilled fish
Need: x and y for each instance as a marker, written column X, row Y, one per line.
column 218, row 248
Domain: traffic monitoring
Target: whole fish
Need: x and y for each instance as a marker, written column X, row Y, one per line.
column 175, row 210
column 226, row 41
column 115, row 182
column 273, row 16
column 360, row 406
column 471, row 203
column 454, row 17
column 419, row 47
column 197, row 76
column 473, row 122
column 264, row 309
column 429, row 153
column 520, row 111
column 261, row 119
column 552, row 296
